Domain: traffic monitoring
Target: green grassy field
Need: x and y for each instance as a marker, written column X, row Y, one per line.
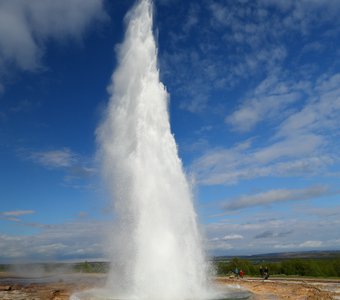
column 324, row 267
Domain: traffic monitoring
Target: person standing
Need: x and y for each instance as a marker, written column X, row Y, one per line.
column 261, row 272
column 266, row 273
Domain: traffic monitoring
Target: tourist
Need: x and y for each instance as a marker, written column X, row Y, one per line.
column 241, row 273
column 261, row 272
column 236, row 272
column 266, row 273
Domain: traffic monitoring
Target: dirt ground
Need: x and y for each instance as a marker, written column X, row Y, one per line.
column 55, row 287
column 62, row 286
column 297, row 289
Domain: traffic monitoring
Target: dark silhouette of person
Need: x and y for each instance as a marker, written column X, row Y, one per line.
column 261, row 272
column 266, row 273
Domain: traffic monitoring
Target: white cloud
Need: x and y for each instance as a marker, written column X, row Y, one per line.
column 285, row 246
column 17, row 213
column 311, row 244
column 26, row 25
column 296, row 146
column 274, row 196
column 16, row 42
column 283, row 231
column 76, row 165
column 75, row 240
column 303, row 245
column 54, row 158
column 232, row 237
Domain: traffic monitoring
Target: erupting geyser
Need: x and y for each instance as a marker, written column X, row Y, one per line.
column 158, row 249
column 157, row 252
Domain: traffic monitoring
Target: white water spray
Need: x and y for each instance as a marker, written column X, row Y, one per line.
column 157, row 248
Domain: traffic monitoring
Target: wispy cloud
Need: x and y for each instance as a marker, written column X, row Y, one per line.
column 17, row 213
column 76, row 167
column 268, row 101
column 273, row 97
column 320, row 111
column 192, row 18
column 54, row 158
column 291, row 157
column 275, row 196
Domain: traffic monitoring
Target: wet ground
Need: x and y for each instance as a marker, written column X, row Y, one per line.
column 62, row 286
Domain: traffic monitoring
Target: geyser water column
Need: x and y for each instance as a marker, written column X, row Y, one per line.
column 156, row 252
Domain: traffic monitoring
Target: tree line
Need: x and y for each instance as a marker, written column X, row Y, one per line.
column 296, row 267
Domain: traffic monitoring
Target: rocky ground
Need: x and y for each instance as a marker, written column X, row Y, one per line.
column 62, row 286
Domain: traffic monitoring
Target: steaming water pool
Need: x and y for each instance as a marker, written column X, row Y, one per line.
column 92, row 297
column 231, row 292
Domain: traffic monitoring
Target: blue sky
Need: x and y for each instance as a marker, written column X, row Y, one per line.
column 254, row 106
